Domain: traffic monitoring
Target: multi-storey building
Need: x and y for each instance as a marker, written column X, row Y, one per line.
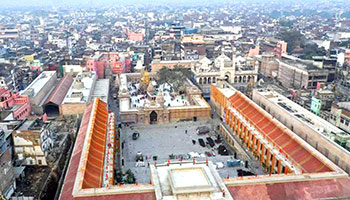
column 39, row 90
column 239, row 71
column 295, row 73
column 13, row 106
column 7, row 183
column 114, row 61
column 32, row 141
column 340, row 117
column 79, row 94
column 319, row 133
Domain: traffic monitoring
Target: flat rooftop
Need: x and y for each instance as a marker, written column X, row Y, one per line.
column 199, row 180
column 101, row 89
column 39, row 82
column 81, row 89
column 296, row 62
column 315, row 122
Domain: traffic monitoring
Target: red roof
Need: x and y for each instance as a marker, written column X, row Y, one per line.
column 68, row 185
column 93, row 176
column 329, row 188
column 69, row 180
column 277, row 135
column 58, row 94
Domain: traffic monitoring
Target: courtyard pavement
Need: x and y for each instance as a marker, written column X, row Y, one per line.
column 166, row 139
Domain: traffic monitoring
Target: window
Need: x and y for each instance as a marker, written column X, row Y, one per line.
column 40, row 162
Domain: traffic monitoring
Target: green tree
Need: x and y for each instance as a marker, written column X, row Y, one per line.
column 287, row 23
column 293, row 38
column 310, row 50
column 130, row 177
column 176, row 76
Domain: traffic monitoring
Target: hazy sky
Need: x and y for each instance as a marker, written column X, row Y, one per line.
column 39, row 3
column 93, row 3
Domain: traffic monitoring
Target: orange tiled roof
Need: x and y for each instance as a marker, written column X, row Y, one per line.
column 277, row 135
column 70, row 178
column 93, row 175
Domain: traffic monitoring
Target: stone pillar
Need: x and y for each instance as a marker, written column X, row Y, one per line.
column 233, row 122
column 279, row 166
column 268, row 157
column 249, row 139
column 246, row 133
column 243, row 133
column 236, row 127
column 286, row 169
column 258, row 145
column 231, row 119
column 273, row 163
column 253, row 145
column 262, row 153
column 241, row 129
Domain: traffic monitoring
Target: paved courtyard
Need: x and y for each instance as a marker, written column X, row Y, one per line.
column 167, row 139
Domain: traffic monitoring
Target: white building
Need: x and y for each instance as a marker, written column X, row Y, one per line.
column 237, row 71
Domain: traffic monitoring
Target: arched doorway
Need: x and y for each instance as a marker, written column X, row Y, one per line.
column 51, row 110
column 228, row 76
column 153, row 117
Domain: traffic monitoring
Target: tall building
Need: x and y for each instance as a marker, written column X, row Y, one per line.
column 280, row 49
column 295, row 73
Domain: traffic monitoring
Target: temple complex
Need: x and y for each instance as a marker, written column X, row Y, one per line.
column 289, row 161
column 158, row 103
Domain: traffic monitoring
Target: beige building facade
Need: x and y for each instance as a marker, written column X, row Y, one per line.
column 314, row 130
